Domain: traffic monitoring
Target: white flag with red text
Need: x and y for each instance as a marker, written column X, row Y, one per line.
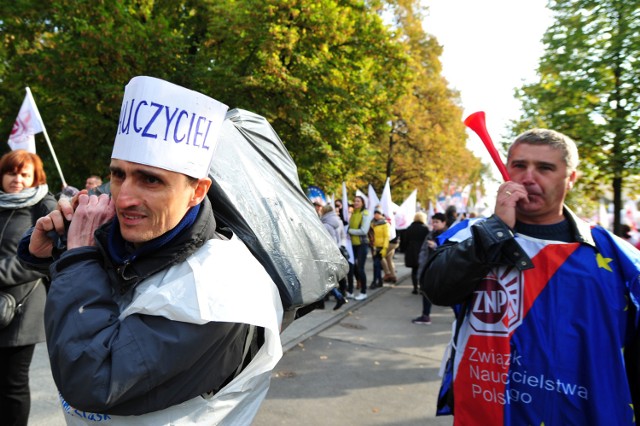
column 407, row 211
column 26, row 125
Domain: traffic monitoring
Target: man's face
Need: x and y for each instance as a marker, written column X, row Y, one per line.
column 91, row 183
column 151, row 201
column 543, row 172
column 437, row 224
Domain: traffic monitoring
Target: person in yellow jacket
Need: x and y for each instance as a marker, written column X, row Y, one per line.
column 380, row 245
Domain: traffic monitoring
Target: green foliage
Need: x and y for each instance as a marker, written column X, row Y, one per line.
column 77, row 56
column 589, row 88
column 332, row 77
column 427, row 145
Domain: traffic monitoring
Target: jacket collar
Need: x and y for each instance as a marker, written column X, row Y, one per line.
column 581, row 229
column 177, row 250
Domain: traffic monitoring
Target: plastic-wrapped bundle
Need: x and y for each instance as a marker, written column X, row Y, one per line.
column 257, row 194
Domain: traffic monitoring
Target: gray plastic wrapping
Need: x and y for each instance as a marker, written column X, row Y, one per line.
column 256, row 193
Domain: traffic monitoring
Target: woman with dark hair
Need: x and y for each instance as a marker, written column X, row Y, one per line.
column 359, row 223
column 24, row 197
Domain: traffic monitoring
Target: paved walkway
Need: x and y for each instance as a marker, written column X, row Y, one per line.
column 364, row 364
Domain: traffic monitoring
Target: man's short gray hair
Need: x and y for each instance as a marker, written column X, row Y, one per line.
column 555, row 140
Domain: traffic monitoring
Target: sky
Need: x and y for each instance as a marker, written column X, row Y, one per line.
column 490, row 47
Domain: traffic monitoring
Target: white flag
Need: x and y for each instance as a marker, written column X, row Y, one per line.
column 373, row 200
column 345, row 203
column 388, row 209
column 407, row 211
column 26, row 125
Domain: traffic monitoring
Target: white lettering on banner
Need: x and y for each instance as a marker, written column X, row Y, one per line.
column 502, row 398
column 489, row 375
column 501, row 359
column 175, row 125
column 498, row 373
column 489, row 368
column 73, row 412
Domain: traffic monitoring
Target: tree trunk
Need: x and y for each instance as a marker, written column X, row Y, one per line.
column 617, row 205
column 390, row 155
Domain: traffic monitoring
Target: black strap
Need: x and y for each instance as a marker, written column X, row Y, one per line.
column 26, row 296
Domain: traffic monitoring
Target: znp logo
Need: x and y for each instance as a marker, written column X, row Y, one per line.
column 496, row 308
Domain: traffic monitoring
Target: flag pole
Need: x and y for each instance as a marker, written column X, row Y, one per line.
column 46, row 136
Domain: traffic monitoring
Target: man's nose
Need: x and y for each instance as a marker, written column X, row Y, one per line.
column 528, row 175
column 128, row 194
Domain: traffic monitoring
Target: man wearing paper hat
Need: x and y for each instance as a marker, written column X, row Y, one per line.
column 153, row 317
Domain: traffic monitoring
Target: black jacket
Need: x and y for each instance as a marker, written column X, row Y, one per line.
column 26, row 328
column 454, row 271
column 141, row 363
column 413, row 237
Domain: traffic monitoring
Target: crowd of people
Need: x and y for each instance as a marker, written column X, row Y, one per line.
column 532, row 283
column 370, row 236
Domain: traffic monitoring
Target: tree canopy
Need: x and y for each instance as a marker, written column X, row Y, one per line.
column 353, row 88
column 589, row 89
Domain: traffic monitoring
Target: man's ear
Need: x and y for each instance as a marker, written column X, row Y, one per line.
column 200, row 191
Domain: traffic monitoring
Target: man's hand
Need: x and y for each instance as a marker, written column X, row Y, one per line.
column 40, row 245
column 509, row 194
column 92, row 212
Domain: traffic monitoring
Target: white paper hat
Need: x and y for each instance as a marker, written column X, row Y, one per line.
column 167, row 126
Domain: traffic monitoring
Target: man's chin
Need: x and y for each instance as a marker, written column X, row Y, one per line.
column 135, row 238
column 528, row 207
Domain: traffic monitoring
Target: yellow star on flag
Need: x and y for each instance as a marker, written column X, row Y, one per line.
column 603, row 262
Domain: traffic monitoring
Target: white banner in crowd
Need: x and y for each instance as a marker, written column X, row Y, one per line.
column 345, row 203
column 388, row 208
column 374, row 201
column 27, row 124
column 167, row 126
column 407, row 210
